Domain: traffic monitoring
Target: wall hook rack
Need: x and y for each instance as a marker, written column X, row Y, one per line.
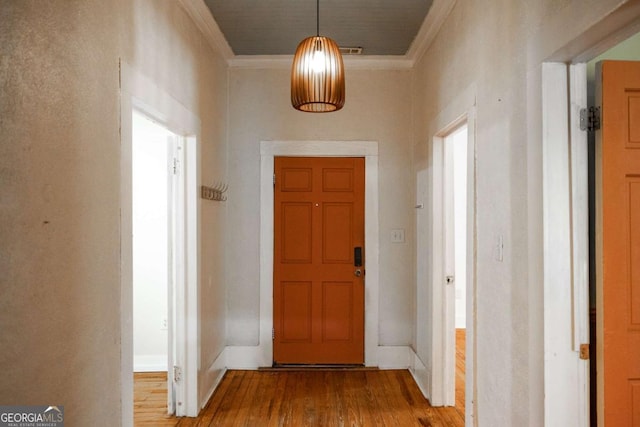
column 215, row 193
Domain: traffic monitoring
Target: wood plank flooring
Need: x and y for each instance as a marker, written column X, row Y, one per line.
column 150, row 400
column 460, row 368
column 307, row 397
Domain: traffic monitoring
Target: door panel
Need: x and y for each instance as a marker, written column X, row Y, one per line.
column 296, row 306
column 318, row 299
column 337, row 311
column 337, row 227
column 619, row 206
column 296, row 232
column 634, row 250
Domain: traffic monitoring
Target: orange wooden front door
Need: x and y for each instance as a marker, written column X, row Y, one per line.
column 318, row 299
column 619, row 226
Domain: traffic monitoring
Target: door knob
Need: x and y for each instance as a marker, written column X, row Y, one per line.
column 358, row 273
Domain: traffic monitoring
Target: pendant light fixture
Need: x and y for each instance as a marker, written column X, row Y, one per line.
column 317, row 74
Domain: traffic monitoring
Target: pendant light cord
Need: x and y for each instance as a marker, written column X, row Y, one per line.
column 318, row 18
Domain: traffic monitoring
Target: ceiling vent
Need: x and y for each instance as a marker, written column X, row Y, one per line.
column 351, row 50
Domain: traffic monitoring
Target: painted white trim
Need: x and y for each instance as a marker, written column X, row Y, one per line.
column 562, row 400
column 138, row 92
column 439, row 349
column 448, row 245
column 443, row 256
column 319, row 148
column 216, row 372
column 471, row 370
column 440, row 10
column 395, row 357
column 563, row 155
column 388, row 357
column 441, row 387
column 126, row 254
column 263, row 354
column 175, row 143
column 421, row 375
column 579, row 167
column 201, row 16
column 190, row 340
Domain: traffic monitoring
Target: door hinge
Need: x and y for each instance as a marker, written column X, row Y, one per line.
column 273, row 334
column 274, row 180
column 177, row 374
column 590, row 119
column 175, row 166
column 584, row 351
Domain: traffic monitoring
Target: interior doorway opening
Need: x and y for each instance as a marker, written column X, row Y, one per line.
column 567, row 250
column 157, row 242
column 628, row 49
column 456, row 169
column 151, row 240
column 452, row 380
column 138, row 93
column 455, row 258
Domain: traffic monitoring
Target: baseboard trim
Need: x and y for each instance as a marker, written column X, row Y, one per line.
column 252, row 358
column 150, row 363
column 245, row 357
column 394, row 357
column 420, row 375
column 215, row 373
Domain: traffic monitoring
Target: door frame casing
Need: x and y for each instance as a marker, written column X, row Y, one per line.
column 443, row 386
column 140, row 93
column 442, row 376
column 268, row 151
column 563, row 86
column 565, row 243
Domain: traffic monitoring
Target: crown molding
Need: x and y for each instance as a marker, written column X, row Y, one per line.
column 201, row 16
column 438, row 13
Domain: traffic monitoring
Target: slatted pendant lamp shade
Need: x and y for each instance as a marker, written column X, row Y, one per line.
column 317, row 76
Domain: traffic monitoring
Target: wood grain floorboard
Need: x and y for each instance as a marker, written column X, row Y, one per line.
column 307, row 397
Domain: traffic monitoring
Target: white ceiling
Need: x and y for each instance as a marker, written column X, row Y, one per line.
column 275, row 27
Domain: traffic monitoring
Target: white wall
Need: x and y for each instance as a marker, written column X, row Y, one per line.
column 150, row 244
column 60, row 171
column 60, row 195
column 377, row 109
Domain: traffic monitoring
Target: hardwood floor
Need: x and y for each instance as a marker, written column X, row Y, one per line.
column 460, row 368
column 150, row 400
column 310, row 397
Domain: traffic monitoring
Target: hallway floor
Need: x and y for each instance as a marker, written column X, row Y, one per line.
column 358, row 397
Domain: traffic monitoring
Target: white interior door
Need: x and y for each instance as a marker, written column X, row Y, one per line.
column 449, row 268
column 138, row 93
column 158, row 252
column 176, row 289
